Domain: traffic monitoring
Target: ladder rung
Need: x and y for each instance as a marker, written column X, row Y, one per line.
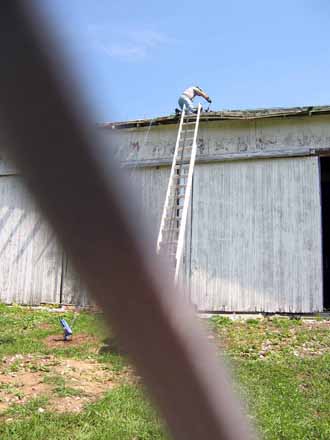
column 168, row 243
column 178, row 187
column 181, row 162
column 188, row 147
column 188, row 123
column 184, row 160
column 178, row 196
column 181, row 176
column 170, row 218
column 175, row 217
column 175, row 187
column 178, row 166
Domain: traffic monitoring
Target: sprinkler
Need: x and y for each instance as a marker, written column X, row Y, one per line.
column 67, row 329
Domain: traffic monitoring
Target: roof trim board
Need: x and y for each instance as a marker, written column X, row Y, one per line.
column 223, row 115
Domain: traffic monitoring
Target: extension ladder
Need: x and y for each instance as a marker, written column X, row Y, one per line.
column 174, row 219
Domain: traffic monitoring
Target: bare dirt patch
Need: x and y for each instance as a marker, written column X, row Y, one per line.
column 69, row 384
column 19, row 388
column 87, row 376
column 56, row 341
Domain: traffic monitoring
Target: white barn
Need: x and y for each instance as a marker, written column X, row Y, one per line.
column 258, row 235
column 257, row 239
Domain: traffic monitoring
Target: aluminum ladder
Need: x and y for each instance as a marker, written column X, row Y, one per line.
column 175, row 212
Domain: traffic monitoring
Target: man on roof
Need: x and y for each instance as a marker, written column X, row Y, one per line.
column 188, row 96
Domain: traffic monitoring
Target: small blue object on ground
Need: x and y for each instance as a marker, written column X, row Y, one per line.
column 67, row 329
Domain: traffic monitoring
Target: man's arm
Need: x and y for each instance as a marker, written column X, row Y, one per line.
column 201, row 93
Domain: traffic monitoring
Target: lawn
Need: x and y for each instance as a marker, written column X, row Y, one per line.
column 85, row 389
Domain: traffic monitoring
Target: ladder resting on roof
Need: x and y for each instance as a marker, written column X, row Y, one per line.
column 174, row 219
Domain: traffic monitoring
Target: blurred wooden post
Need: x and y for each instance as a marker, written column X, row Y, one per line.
column 54, row 147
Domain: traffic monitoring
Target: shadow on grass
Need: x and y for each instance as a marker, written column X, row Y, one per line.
column 7, row 340
column 111, row 345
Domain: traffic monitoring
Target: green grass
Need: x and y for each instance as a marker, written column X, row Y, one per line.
column 23, row 331
column 122, row 414
column 22, row 412
column 281, row 367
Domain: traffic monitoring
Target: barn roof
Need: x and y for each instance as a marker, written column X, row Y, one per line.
column 235, row 115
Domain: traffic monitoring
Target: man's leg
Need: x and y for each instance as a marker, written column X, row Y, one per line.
column 184, row 100
column 181, row 103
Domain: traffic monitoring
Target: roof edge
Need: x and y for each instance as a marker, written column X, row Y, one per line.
column 223, row 115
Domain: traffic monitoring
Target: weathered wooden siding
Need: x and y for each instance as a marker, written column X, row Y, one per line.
column 256, row 236
column 30, row 258
column 220, row 138
column 150, row 185
column 73, row 289
column 313, row 132
column 251, row 244
column 6, row 165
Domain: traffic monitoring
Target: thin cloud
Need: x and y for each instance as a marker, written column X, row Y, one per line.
column 130, row 45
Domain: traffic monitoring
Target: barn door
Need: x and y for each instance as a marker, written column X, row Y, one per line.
column 256, row 236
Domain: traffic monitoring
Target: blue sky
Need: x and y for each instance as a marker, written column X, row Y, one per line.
column 134, row 58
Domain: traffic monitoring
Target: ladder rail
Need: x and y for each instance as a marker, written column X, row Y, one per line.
column 187, row 199
column 160, row 234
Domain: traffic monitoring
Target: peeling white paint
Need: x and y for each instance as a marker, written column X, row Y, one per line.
column 223, row 137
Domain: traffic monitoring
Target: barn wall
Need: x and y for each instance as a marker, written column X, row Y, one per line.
column 150, row 188
column 256, row 236
column 74, row 290
column 6, row 165
column 149, row 185
column 30, row 258
column 278, row 266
